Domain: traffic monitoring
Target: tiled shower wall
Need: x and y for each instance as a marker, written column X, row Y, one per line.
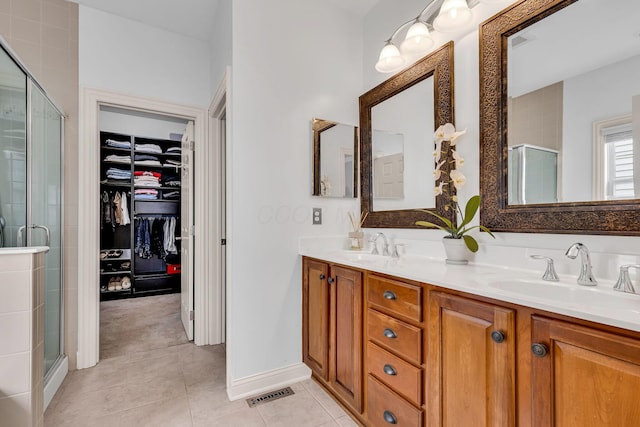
column 44, row 34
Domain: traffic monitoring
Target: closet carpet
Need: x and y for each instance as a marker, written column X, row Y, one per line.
column 140, row 324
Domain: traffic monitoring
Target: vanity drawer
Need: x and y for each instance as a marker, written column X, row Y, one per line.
column 401, row 376
column 385, row 408
column 395, row 297
column 396, row 335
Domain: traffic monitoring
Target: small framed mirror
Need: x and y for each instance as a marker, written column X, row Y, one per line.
column 335, row 154
column 397, row 121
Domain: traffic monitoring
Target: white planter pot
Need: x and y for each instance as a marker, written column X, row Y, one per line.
column 456, row 250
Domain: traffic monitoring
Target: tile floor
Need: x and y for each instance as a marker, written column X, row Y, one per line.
column 178, row 385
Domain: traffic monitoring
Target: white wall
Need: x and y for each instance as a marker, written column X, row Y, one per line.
column 601, row 94
column 125, row 56
column 379, row 23
column 142, row 124
column 220, row 47
column 292, row 61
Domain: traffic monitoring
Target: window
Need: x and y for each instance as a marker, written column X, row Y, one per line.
column 614, row 154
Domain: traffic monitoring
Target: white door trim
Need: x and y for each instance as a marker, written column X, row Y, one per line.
column 218, row 110
column 88, row 230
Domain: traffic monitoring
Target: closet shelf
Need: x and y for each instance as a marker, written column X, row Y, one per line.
column 114, row 273
column 122, row 150
column 149, row 153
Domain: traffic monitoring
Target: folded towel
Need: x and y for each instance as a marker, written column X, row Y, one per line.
column 148, row 148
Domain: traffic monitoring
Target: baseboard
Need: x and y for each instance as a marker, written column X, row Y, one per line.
column 55, row 380
column 266, row 381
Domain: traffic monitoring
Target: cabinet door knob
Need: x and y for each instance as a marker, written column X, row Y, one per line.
column 497, row 336
column 331, row 280
column 322, row 277
column 389, row 333
column 389, row 417
column 539, row 350
column 389, row 295
column 389, row 370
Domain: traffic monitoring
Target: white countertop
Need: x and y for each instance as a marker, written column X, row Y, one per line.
column 599, row 304
column 24, row 250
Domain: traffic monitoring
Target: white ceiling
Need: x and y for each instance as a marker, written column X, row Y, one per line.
column 192, row 18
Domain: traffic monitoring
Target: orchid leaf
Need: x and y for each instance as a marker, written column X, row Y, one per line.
column 446, row 222
column 483, row 228
column 431, row 224
column 471, row 243
column 470, row 210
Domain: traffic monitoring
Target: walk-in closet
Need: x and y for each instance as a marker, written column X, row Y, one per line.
column 140, row 224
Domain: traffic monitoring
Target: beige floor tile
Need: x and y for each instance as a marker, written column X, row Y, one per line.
column 300, row 410
column 240, row 417
column 346, row 421
column 165, row 413
column 327, row 402
column 93, row 404
column 85, row 420
column 210, row 402
column 107, row 373
column 152, row 390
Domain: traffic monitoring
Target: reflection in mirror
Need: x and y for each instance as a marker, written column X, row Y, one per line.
column 403, row 150
column 553, row 89
column 397, row 121
column 334, row 148
column 575, row 92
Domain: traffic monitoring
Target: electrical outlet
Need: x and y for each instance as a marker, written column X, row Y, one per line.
column 317, row 216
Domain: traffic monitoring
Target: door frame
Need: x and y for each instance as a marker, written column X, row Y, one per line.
column 88, row 229
column 220, row 147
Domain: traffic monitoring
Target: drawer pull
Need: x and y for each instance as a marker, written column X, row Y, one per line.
column 331, row 280
column 497, row 336
column 389, row 417
column 322, row 277
column 389, row 295
column 389, row 370
column 539, row 350
column 389, row 333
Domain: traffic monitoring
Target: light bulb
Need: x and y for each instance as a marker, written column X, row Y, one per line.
column 453, row 15
column 417, row 40
column 390, row 59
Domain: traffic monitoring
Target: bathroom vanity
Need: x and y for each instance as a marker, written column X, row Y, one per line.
column 416, row 342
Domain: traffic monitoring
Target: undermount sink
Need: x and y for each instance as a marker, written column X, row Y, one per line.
column 570, row 294
column 358, row 256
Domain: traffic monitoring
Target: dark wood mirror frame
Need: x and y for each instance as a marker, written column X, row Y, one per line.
column 599, row 217
column 438, row 64
column 318, row 126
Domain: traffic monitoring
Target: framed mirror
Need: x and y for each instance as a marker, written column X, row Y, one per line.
column 560, row 118
column 335, row 148
column 397, row 122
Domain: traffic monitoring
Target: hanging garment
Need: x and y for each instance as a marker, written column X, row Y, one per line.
column 126, row 219
column 157, row 238
column 170, row 236
column 143, row 238
column 105, row 210
column 117, row 202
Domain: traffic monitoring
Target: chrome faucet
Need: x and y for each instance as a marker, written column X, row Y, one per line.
column 374, row 241
column 624, row 283
column 586, row 277
column 550, row 274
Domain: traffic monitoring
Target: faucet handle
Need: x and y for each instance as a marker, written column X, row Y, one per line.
column 374, row 243
column 394, row 252
column 550, row 273
column 624, row 283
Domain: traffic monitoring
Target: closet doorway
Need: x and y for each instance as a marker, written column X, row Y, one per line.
column 146, row 223
column 198, row 233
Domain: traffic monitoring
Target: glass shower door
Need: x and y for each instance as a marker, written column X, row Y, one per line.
column 13, row 150
column 45, row 211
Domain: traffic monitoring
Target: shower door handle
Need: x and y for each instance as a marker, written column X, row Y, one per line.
column 46, row 232
column 20, row 241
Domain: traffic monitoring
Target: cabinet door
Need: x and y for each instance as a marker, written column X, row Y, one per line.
column 346, row 333
column 471, row 363
column 583, row 377
column 315, row 316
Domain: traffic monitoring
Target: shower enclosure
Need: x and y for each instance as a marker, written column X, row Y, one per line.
column 31, row 212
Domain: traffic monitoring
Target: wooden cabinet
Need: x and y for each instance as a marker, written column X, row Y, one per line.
column 471, row 363
column 394, row 362
column 394, row 351
column 583, row 377
column 332, row 328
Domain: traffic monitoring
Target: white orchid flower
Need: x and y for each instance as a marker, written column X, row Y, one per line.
column 438, row 136
column 438, row 151
column 454, row 136
column 437, row 171
column 438, row 190
column 458, row 178
column 459, row 160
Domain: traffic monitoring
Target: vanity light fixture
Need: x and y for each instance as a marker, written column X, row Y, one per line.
column 452, row 15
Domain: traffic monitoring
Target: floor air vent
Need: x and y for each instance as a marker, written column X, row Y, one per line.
column 270, row 396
